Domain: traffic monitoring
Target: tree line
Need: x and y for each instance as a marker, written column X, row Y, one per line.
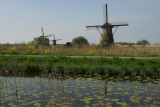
column 80, row 41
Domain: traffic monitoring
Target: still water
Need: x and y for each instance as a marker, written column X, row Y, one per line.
column 79, row 92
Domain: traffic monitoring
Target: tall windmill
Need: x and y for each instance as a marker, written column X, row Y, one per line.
column 43, row 33
column 54, row 40
column 107, row 34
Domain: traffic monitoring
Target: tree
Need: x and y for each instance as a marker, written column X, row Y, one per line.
column 143, row 42
column 79, row 41
column 40, row 41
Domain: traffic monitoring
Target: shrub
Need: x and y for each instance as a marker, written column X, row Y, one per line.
column 40, row 41
column 80, row 41
column 143, row 42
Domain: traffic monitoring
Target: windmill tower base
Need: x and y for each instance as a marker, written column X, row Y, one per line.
column 107, row 37
column 54, row 43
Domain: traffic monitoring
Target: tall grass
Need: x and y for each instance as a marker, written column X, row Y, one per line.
column 135, row 50
column 79, row 66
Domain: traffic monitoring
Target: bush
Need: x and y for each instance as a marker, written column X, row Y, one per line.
column 40, row 41
column 80, row 41
column 143, row 42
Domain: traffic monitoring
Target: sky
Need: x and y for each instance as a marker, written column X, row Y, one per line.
column 21, row 20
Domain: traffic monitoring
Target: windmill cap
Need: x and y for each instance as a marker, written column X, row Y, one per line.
column 107, row 25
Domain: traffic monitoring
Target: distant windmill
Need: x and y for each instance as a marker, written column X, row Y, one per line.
column 107, row 35
column 54, row 40
column 43, row 33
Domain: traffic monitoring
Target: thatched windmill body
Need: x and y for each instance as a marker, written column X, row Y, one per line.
column 107, row 34
column 55, row 40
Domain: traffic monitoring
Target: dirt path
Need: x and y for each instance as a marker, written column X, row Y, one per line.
column 112, row 57
column 108, row 57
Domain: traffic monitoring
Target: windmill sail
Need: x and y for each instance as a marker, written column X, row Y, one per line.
column 115, row 24
column 53, row 37
column 93, row 27
column 47, row 35
column 42, row 32
column 58, row 39
column 106, row 14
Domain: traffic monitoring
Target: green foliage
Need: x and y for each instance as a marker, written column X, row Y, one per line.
column 40, row 41
column 80, row 41
column 103, row 42
column 82, row 66
column 143, row 42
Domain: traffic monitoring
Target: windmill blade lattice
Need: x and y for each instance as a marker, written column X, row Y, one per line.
column 115, row 24
column 93, row 27
column 47, row 35
column 43, row 33
column 58, row 39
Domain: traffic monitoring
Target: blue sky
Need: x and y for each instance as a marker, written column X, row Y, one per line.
column 21, row 20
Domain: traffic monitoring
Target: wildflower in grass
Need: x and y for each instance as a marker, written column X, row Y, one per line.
column 40, row 50
column 54, row 49
column 12, row 50
column 31, row 50
column 57, row 49
column 105, row 51
column 91, row 52
column 4, row 51
column 152, row 51
column 46, row 51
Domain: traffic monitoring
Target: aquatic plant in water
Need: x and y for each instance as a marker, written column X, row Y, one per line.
column 79, row 91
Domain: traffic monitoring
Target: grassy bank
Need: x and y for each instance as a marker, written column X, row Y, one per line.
column 78, row 66
column 117, row 50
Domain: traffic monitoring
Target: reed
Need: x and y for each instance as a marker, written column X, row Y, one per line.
column 117, row 50
column 79, row 66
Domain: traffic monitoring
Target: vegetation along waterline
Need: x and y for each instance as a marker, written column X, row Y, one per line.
column 79, row 66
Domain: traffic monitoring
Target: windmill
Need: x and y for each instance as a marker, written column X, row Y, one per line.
column 54, row 40
column 43, row 33
column 43, row 40
column 107, row 34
